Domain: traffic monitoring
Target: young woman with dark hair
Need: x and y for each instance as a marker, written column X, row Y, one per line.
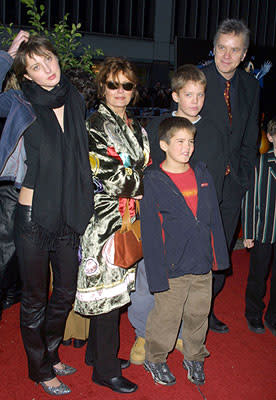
column 55, row 201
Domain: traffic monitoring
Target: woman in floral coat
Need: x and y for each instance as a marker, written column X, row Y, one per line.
column 119, row 152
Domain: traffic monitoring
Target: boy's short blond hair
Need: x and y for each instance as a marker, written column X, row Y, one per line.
column 185, row 73
column 169, row 126
column 271, row 127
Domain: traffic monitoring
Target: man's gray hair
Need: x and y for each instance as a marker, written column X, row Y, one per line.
column 235, row 26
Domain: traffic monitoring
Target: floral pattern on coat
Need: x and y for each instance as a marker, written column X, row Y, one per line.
column 118, row 157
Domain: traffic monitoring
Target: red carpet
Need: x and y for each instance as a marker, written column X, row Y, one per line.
column 242, row 365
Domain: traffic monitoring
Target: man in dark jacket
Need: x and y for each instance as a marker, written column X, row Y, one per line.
column 232, row 104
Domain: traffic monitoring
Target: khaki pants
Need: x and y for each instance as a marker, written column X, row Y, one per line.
column 188, row 299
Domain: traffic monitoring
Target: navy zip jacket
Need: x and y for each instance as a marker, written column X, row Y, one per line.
column 175, row 242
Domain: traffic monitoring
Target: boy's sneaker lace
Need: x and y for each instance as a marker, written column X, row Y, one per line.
column 160, row 373
column 195, row 371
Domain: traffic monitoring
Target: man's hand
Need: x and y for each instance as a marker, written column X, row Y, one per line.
column 249, row 243
column 22, row 36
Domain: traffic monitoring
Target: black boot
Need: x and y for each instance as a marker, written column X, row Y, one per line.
column 78, row 343
column 216, row 325
column 117, row 383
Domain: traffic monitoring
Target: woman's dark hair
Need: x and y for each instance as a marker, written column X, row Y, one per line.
column 113, row 66
column 38, row 45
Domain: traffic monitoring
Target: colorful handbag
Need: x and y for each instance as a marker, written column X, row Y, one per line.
column 127, row 241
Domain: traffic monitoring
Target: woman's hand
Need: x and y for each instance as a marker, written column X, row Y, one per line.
column 139, row 197
column 22, row 36
column 249, row 243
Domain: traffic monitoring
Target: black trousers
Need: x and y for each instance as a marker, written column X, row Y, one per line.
column 230, row 209
column 103, row 344
column 262, row 257
column 9, row 271
column 42, row 320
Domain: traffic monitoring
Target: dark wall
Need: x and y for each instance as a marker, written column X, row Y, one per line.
column 199, row 19
column 192, row 51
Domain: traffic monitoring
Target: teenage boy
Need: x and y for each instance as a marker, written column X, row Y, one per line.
column 188, row 91
column 183, row 240
column 259, row 216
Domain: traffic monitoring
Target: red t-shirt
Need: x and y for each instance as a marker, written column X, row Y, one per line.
column 186, row 183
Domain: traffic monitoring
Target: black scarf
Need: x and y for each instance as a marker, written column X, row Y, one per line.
column 63, row 192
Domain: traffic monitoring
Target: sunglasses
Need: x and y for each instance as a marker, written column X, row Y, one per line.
column 128, row 86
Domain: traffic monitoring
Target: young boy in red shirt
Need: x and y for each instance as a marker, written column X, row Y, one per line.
column 183, row 240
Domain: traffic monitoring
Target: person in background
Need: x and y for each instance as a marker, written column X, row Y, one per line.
column 119, row 153
column 11, row 174
column 10, row 285
column 258, row 221
column 183, row 240
column 50, row 115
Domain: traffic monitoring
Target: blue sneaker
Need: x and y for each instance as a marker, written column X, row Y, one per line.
column 195, row 371
column 160, row 373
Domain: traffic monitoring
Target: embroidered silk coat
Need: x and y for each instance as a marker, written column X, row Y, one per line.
column 118, row 157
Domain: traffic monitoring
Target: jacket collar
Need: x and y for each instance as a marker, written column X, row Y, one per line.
column 198, row 167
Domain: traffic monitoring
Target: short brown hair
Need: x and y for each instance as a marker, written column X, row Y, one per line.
column 185, row 73
column 236, row 27
column 169, row 126
column 113, row 66
column 36, row 44
column 271, row 126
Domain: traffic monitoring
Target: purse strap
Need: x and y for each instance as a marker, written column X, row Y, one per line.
column 126, row 221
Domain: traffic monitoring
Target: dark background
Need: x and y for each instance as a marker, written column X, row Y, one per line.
column 192, row 27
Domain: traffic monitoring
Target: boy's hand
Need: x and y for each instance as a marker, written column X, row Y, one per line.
column 249, row 243
column 139, row 197
column 22, row 36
